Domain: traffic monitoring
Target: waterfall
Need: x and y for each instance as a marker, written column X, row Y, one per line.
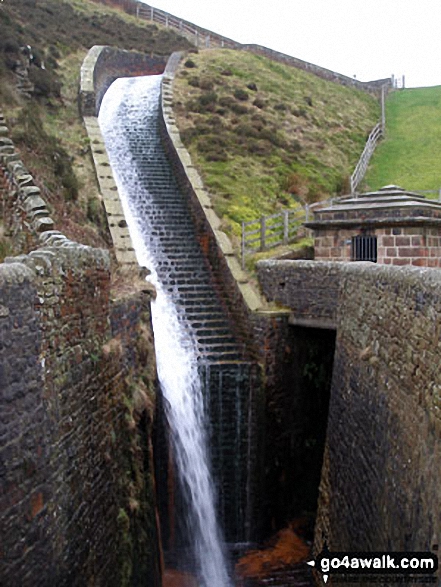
column 129, row 107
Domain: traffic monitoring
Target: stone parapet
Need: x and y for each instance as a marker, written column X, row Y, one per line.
column 26, row 215
column 103, row 65
column 309, row 289
column 74, row 394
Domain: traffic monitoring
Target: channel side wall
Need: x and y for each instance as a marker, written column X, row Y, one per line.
column 244, row 301
column 78, row 378
column 381, row 479
column 101, row 67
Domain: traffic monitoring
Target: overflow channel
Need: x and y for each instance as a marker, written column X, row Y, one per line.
column 208, row 384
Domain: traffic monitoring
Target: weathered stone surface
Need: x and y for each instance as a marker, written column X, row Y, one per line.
column 381, row 486
column 103, row 65
column 77, row 389
column 309, row 288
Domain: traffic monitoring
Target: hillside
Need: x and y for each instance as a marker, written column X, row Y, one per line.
column 266, row 136
column 45, row 123
column 410, row 156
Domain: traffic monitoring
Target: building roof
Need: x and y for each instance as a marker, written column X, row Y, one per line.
column 390, row 205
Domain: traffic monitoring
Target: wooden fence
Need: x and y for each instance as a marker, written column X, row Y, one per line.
column 270, row 231
column 362, row 165
column 197, row 35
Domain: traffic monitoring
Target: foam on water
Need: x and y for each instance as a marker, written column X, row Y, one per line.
column 126, row 104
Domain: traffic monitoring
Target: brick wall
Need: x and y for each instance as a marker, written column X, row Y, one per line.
column 74, row 486
column 402, row 245
column 410, row 246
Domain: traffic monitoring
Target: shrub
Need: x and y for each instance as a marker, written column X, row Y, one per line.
column 207, row 101
column 252, row 86
column 259, row 103
column 280, row 107
column 190, row 63
column 45, row 82
column 227, row 101
column 241, row 95
column 213, row 147
column 193, row 81
column 206, row 84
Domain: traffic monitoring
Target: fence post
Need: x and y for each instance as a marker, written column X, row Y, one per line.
column 262, row 232
column 285, row 226
column 439, row 195
column 383, row 111
column 242, row 248
column 152, row 14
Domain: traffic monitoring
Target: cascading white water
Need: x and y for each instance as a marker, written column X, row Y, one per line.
column 126, row 104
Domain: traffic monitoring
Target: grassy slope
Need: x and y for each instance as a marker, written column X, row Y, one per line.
column 48, row 129
column 290, row 137
column 410, row 156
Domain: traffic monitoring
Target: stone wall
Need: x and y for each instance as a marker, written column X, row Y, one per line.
column 78, row 387
column 372, row 87
column 380, row 486
column 204, row 38
column 241, row 298
column 308, row 288
column 419, row 246
column 103, row 65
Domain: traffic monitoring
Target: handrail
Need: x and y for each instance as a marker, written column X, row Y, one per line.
column 361, row 167
column 375, row 136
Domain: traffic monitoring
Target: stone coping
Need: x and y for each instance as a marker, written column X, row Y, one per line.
column 251, row 296
column 374, row 222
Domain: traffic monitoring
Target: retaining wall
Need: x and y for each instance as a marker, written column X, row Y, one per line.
column 380, row 487
column 77, row 378
column 241, row 297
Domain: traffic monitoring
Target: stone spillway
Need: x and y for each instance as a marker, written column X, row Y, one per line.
column 201, row 365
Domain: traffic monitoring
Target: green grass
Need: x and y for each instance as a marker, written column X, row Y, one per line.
column 265, row 136
column 48, row 129
column 411, row 154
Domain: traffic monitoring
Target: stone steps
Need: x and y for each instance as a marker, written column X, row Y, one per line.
column 182, row 268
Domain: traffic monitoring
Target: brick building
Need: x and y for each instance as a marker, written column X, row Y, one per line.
column 391, row 226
